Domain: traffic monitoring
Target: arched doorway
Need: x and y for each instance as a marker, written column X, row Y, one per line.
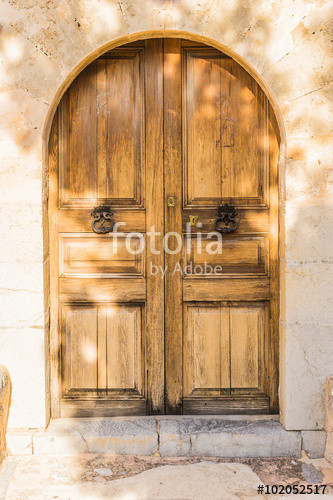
column 164, row 131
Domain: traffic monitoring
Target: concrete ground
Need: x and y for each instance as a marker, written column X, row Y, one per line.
column 92, row 476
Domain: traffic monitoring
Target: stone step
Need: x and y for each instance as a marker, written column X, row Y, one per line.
column 170, row 436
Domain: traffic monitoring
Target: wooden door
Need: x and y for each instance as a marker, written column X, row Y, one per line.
column 162, row 130
column 221, row 146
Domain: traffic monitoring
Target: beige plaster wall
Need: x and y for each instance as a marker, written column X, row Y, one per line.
column 287, row 43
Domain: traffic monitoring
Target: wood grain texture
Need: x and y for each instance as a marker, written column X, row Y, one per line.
column 155, row 217
column 224, row 132
column 102, row 118
column 206, row 349
column 124, row 129
column 173, row 223
column 102, row 153
column 80, row 220
column 236, row 255
column 250, row 220
column 213, row 289
column 102, row 290
column 85, row 406
column 78, row 172
column 202, row 126
column 124, row 356
column 245, row 334
column 102, row 350
column 227, row 405
column 102, row 124
column 79, row 327
column 244, row 159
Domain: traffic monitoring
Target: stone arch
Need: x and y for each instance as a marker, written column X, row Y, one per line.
column 162, row 34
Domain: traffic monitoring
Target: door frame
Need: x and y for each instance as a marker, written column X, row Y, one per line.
column 278, row 291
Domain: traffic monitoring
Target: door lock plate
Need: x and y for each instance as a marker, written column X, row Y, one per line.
column 171, row 201
column 194, row 220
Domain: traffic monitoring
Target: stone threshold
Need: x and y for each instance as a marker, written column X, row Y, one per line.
column 241, row 436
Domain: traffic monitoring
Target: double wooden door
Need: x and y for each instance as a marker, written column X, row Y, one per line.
column 151, row 320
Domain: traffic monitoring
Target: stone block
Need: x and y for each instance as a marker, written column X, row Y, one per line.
column 175, row 438
column 313, row 443
column 309, row 54
column 24, row 351
column 16, row 242
column 300, row 278
column 20, row 442
column 59, row 439
column 307, row 227
column 180, row 15
column 304, row 375
column 232, row 438
column 133, row 436
column 300, row 122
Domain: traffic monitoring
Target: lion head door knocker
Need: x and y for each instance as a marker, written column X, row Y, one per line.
column 103, row 221
column 226, row 219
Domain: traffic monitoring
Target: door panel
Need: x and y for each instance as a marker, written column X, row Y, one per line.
column 202, row 126
column 123, row 119
column 78, row 141
column 226, row 159
column 80, row 329
column 102, row 289
column 246, row 255
column 80, row 220
column 206, row 350
column 102, row 352
column 250, row 289
column 225, row 129
column 223, row 358
column 250, row 220
column 102, row 132
column 124, row 349
column 163, row 130
column 246, row 336
column 89, row 255
column 245, row 158
column 100, row 280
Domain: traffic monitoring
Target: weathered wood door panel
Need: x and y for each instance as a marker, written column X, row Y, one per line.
column 163, row 130
column 102, row 356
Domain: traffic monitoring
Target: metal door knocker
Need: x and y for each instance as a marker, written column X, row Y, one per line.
column 102, row 215
column 226, row 215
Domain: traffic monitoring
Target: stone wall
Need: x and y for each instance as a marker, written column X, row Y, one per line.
column 44, row 44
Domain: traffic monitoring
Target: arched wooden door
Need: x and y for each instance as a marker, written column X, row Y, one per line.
column 164, row 131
